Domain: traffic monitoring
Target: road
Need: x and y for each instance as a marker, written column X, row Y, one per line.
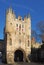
column 21, row 63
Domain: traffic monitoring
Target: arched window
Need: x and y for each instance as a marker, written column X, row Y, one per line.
column 11, row 23
column 19, row 40
column 28, row 42
column 10, row 41
column 19, row 27
column 16, row 25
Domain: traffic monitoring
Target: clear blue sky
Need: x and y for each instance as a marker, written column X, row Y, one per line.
column 22, row 8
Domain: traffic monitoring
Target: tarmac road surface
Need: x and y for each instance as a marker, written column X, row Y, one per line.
column 21, row 63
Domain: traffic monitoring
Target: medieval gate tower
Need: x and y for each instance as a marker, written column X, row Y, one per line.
column 18, row 39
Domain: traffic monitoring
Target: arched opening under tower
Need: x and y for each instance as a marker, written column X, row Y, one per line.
column 18, row 56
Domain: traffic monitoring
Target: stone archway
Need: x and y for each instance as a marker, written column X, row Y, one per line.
column 19, row 55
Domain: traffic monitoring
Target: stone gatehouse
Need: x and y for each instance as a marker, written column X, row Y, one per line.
column 17, row 38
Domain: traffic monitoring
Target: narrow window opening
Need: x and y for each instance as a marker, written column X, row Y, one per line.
column 16, row 25
column 11, row 23
column 10, row 41
column 28, row 42
column 19, row 27
column 19, row 41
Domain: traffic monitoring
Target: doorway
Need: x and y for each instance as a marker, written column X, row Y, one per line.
column 18, row 56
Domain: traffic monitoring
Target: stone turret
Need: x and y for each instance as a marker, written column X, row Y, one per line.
column 10, row 17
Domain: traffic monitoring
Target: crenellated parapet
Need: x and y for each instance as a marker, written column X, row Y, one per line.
column 11, row 21
column 10, row 14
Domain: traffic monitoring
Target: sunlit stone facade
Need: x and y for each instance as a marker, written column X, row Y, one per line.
column 18, row 36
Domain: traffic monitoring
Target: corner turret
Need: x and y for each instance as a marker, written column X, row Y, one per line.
column 10, row 17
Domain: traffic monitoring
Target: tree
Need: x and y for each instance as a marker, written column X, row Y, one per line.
column 40, row 27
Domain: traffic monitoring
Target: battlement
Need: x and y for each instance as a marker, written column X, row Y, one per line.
column 10, row 13
column 12, row 23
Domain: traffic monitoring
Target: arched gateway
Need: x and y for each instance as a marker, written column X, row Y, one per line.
column 19, row 55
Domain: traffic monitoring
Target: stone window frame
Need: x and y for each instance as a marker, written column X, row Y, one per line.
column 28, row 42
column 19, row 27
column 10, row 41
column 16, row 25
column 11, row 23
column 20, row 41
column 23, row 28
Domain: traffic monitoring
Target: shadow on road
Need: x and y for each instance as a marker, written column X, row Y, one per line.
column 21, row 63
